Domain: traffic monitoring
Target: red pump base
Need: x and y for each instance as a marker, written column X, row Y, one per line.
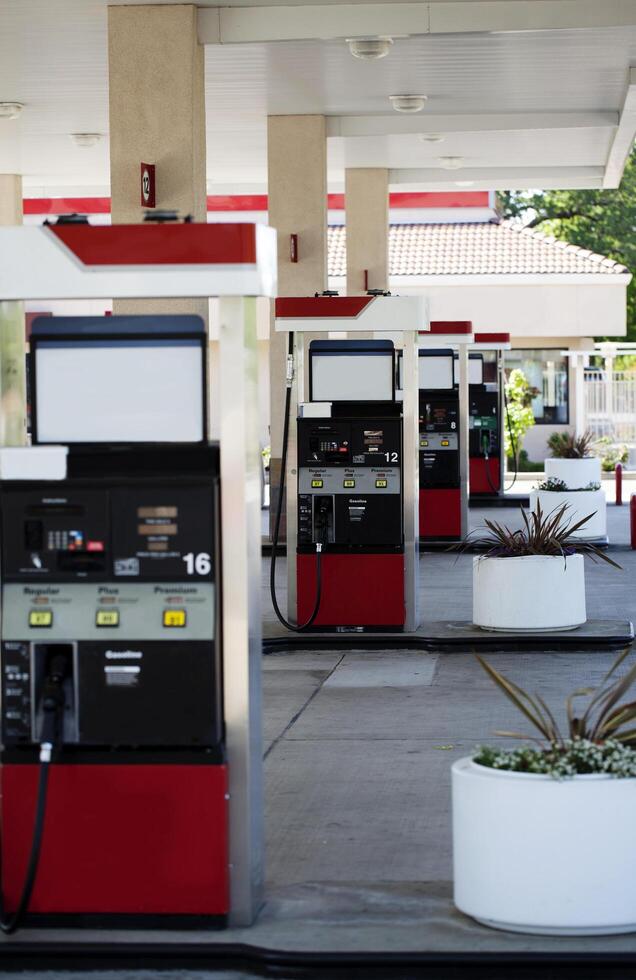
column 440, row 515
column 357, row 590
column 479, row 472
column 119, row 841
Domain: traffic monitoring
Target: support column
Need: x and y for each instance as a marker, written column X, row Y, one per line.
column 297, row 200
column 241, row 518
column 367, row 223
column 13, row 400
column 157, row 115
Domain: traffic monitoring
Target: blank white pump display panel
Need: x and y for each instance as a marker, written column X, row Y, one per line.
column 358, row 376
column 122, row 389
column 436, row 371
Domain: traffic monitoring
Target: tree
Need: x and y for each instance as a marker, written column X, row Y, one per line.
column 603, row 221
column 519, row 395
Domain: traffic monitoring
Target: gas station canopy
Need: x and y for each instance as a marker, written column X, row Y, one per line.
column 518, row 94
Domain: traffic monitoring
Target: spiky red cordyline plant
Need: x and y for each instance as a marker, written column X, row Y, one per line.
column 602, row 718
column 542, row 534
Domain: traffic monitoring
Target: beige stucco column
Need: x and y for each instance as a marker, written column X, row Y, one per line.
column 12, row 336
column 157, row 115
column 367, row 220
column 10, row 199
column 297, row 192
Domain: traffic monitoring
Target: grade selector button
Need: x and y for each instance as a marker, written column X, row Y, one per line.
column 381, row 484
column 316, row 484
column 445, row 442
column 107, row 617
column 40, row 618
column 174, row 617
column 349, row 484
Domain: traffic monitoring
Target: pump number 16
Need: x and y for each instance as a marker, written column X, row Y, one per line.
column 199, row 564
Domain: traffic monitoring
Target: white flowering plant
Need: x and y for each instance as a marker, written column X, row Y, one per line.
column 600, row 738
column 576, row 757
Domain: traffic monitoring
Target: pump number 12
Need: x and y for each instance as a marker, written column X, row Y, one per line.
column 392, row 457
column 199, row 564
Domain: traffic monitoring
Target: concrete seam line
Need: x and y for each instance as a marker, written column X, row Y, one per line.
column 300, row 711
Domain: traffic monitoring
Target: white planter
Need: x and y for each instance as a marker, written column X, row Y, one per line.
column 580, row 503
column 536, row 854
column 529, row 594
column 575, row 473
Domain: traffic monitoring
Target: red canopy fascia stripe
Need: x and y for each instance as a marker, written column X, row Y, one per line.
column 258, row 202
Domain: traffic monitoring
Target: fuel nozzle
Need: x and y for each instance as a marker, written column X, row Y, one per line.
column 322, row 524
column 52, row 703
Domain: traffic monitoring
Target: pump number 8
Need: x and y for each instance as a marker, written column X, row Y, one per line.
column 198, row 564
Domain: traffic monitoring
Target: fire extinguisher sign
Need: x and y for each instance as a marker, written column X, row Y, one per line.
column 147, row 185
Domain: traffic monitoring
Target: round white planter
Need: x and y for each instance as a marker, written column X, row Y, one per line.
column 536, row 854
column 580, row 503
column 575, row 473
column 529, row 594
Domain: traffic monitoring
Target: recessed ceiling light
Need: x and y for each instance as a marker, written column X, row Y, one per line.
column 432, row 137
column 369, row 48
column 408, row 103
column 10, row 110
column 451, row 163
column 85, row 140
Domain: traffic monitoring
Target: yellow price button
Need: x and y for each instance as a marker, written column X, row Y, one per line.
column 381, row 484
column 349, row 484
column 174, row 617
column 40, row 617
column 316, row 484
column 107, row 617
column 445, row 442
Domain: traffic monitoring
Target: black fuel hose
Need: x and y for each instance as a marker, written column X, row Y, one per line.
column 484, row 450
column 53, row 708
column 513, row 444
column 294, row 627
column 9, row 924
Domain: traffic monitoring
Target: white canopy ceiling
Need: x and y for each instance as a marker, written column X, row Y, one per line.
column 529, row 93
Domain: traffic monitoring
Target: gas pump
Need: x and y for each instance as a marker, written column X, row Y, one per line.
column 440, row 489
column 351, row 493
column 350, row 512
column 484, row 440
column 112, row 717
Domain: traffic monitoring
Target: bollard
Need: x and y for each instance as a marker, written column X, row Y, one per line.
column 618, row 473
column 632, row 520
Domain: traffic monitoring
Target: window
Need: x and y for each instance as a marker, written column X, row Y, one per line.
column 547, row 371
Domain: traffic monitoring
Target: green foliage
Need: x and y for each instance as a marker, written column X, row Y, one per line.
column 600, row 720
column 525, row 465
column 519, row 395
column 611, row 453
column 554, row 485
column 566, row 445
column 541, row 534
column 576, row 757
column 602, row 221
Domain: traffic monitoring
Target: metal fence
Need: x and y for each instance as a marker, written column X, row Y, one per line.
column 610, row 405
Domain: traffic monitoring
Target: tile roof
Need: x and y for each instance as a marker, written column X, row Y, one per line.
column 478, row 248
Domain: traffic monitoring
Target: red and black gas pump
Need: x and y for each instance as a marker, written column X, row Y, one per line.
column 350, row 513
column 440, row 489
column 113, row 772
column 486, row 415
